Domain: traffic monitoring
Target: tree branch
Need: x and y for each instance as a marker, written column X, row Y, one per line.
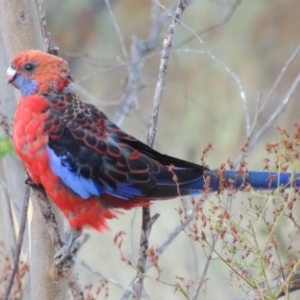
column 147, row 221
column 167, row 45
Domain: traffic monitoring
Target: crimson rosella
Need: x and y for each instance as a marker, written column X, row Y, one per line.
column 89, row 166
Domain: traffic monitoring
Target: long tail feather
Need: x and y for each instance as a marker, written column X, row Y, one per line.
column 256, row 179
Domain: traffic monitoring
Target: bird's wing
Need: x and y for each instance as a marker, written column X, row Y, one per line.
column 92, row 156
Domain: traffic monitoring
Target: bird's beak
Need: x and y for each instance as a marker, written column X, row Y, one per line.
column 10, row 75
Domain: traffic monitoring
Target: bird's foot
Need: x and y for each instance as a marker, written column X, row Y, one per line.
column 68, row 249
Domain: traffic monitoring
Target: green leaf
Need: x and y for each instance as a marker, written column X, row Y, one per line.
column 6, row 147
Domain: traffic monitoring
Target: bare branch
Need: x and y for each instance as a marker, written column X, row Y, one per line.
column 147, row 221
column 167, row 44
column 50, row 48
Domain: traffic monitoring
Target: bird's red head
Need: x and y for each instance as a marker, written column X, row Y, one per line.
column 33, row 70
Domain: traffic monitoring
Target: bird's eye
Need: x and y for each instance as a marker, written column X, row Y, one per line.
column 29, row 67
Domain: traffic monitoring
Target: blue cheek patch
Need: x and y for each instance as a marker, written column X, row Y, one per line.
column 26, row 86
column 61, row 167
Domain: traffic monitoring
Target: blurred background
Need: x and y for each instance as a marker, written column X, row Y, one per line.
column 212, row 85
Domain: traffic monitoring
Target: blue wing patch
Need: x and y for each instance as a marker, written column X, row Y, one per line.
column 66, row 168
column 69, row 174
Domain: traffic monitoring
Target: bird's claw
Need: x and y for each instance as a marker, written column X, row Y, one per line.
column 68, row 249
column 64, row 253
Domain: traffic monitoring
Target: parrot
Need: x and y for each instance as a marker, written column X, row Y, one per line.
column 87, row 165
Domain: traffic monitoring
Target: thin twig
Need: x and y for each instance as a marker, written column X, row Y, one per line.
column 168, row 240
column 256, row 116
column 132, row 88
column 147, row 221
column 181, row 23
column 139, row 50
column 100, row 274
column 261, row 107
column 211, row 27
column 279, row 110
column 131, row 253
column 236, row 79
column 46, row 33
column 122, row 43
column 172, row 235
column 252, row 294
column 167, row 44
column 19, row 245
column 90, row 97
column 50, row 48
column 128, row 289
column 92, row 60
column 205, row 269
column 279, row 78
column 133, row 85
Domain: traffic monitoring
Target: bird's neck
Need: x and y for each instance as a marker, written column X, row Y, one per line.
column 31, row 105
column 29, row 137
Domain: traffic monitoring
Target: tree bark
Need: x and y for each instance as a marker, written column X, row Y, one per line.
column 20, row 28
